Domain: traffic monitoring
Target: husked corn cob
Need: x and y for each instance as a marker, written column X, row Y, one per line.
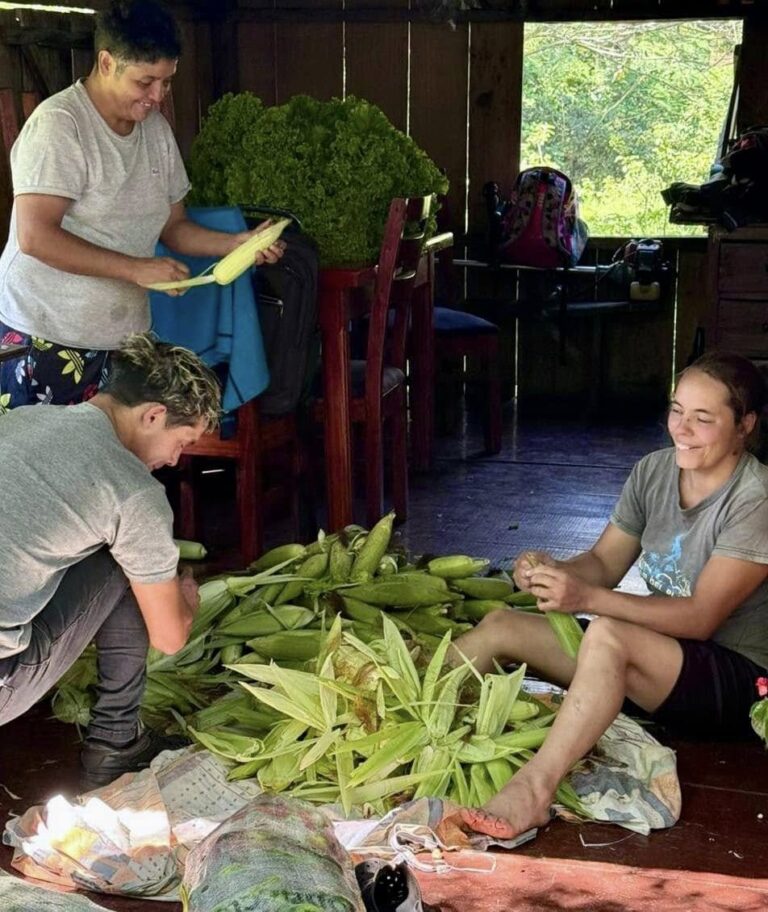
column 234, row 264
column 456, row 566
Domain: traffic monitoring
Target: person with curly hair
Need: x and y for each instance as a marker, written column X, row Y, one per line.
column 94, row 558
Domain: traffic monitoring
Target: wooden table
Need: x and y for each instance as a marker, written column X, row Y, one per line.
column 336, row 296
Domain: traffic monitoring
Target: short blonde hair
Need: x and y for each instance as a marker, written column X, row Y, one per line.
column 147, row 370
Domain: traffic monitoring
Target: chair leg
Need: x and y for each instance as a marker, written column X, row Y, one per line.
column 374, row 469
column 399, row 422
column 494, row 418
column 187, row 520
column 249, row 504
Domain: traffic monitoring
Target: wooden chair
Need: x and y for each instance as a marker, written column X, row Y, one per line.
column 462, row 337
column 378, row 383
column 465, row 340
column 254, row 437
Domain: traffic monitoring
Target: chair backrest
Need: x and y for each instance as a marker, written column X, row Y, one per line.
column 398, row 264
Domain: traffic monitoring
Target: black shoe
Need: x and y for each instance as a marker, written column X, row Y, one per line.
column 102, row 763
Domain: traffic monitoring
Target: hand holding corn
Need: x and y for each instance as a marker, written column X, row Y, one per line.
column 146, row 271
column 532, row 566
column 525, row 564
column 272, row 253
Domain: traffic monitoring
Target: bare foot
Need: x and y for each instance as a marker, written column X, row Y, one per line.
column 518, row 807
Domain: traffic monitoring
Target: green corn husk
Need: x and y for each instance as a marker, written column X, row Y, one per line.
column 484, row 587
column 457, row 566
column 567, row 630
column 299, row 645
column 373, row 550
column 278, row 555
column 190, row 550
column 402, row 591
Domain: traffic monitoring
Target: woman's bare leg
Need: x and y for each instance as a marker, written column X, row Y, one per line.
column 515, row 636
column 616, row 660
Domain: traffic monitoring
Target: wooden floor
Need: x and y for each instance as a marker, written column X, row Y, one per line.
column 552, row 486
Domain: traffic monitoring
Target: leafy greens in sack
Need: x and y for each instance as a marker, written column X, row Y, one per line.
column 335, row 164
column 273, row 855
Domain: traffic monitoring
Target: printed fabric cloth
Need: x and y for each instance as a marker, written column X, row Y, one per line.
column 49, row 374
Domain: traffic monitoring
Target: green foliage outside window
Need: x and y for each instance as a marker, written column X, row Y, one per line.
column 625, row 109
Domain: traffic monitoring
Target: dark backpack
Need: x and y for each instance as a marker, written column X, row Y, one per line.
column 286, row 293
column 540, row 224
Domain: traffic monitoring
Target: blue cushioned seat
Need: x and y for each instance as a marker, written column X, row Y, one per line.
column 447, row 320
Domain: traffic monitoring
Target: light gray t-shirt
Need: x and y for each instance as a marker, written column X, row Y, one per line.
column 69, row 487
column 677, row 543
column 121, row 188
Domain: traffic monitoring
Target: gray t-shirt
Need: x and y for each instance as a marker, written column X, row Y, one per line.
column 69, row 487
column 677, row 543
column 121, row 188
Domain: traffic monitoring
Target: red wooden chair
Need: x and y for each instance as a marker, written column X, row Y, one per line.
column 465, row 338
column 378, row 383
column 255, row 437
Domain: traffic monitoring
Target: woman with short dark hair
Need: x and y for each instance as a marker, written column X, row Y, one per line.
column 97, row 180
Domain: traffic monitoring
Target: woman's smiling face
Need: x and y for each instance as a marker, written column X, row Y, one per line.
column 135, row 88
column 702, row 424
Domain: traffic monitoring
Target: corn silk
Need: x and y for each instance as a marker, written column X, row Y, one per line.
column 273, row 855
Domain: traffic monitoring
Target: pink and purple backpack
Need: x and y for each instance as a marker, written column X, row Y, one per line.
column 540, row 225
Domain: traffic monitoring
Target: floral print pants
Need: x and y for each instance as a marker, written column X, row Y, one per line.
column 49, row 373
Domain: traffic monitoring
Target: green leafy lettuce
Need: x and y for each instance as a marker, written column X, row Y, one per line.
column 335, row 164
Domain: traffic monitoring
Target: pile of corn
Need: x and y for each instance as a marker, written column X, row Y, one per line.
column 369, row 725
column 334, row 659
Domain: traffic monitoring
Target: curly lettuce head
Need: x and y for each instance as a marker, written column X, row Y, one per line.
column 336, row 164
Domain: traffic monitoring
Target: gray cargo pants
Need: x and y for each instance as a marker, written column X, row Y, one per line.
column 94, row 602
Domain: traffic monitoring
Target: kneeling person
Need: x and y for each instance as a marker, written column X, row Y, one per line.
column 87, row 543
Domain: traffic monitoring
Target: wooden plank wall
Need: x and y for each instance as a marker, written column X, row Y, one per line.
column 455, row 89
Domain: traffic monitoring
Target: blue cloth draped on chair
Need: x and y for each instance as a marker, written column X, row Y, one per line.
column 218, row 322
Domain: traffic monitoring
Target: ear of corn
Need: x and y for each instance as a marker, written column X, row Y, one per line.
column 340, row 562
column 190, row 550
column 346, row 695
column 234, row 264
column 289, row 645
column 277, row 555
column 373, row 550
column 456, row 566
column 565, row 626
column 567, row 630
column 484, row 587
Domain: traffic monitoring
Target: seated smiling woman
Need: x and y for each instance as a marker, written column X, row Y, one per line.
column 695, row 516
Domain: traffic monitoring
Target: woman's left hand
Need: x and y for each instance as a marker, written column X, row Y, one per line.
column 559, row 590
column 270, row 255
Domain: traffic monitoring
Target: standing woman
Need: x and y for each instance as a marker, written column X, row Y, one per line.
column 688, row 654
column 98, row 179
